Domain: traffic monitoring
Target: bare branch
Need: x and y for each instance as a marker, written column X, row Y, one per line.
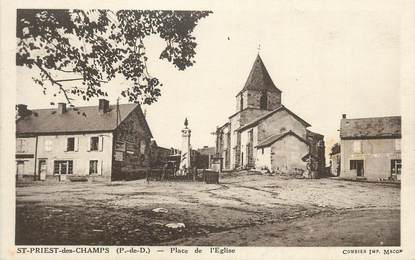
column 54, row 82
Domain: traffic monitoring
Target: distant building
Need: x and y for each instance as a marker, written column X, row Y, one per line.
column 263, row 133
column 159, row 155
column 203, row 160
column 371, row 148
column 96, row 142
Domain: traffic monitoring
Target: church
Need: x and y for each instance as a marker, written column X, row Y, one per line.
column 263, row 134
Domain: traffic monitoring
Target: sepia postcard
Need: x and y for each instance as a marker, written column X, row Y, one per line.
column 207, row 129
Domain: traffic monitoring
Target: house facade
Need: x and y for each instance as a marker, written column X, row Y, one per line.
column 263, row 133
column 371, row 148
column 94, row 142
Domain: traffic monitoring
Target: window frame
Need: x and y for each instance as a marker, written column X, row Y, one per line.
column 73, row 144
column 91, row 143
column 48, row 145
column 20, row 145
column 57, row 167
column 398, row 144
column 97, row 172
column 263, row 101
column 357, row 146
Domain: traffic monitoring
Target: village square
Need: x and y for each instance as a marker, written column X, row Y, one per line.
column 238, row 148
column 266, row 173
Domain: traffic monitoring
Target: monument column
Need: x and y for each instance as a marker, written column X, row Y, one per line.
column 185, row 163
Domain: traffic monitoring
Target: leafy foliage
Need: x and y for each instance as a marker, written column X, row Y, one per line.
column 94, row 46
column 335, row 149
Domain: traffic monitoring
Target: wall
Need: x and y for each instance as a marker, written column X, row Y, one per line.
column 132, row 147
column 234, row 124
column 81, row 156
column 335, row 164
column 274, row 100
column 26, row 155
column 286, row 154
column 376, row 154
column 252, row 99
column 245, row 142
column 263, row 158
column 274, row 124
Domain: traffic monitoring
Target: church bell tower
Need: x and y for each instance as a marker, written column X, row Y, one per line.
column 259, row 91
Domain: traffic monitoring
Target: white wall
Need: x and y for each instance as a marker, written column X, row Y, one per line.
column 81, row 156
column 263, row 158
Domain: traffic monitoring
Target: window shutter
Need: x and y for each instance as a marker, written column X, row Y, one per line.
column 100, row 143
column 100, row 166
column 76, row 145
column 66, row 145
column 88, row 167
column 89, row 144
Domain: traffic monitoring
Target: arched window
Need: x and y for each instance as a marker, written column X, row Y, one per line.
column 264, row 100
column 242, row 102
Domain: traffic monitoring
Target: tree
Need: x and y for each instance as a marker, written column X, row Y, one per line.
column 76, row 51
column 335, row 149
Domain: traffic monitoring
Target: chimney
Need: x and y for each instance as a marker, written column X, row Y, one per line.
column 61, row 108
column 344, row 116
column 21, row 110
column 104, row 106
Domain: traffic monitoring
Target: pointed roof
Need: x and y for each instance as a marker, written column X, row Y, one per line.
column 259, row 78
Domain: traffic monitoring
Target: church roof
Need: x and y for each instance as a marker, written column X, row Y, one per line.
column 280, row 108
column 259, row 79
column 273, row 138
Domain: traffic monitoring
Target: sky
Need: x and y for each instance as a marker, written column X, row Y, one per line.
column 327, row 59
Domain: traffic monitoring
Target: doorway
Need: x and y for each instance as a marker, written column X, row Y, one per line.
column 396, row 166
column 42, row 170
column 358, row 165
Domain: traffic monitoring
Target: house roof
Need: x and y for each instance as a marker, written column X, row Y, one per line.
column 314, row 134
column 259, row 78
column 273, row 138
column 207, row 150
column 80, row 119
column 280, row 108
column 374, row 127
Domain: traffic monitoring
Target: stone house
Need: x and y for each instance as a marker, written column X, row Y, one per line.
column 371, row 148
column 92, row 142
column 263, row 133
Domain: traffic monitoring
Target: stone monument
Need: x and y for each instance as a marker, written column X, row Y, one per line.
column 186, row 150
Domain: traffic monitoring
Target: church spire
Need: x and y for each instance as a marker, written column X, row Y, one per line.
column 259, row 79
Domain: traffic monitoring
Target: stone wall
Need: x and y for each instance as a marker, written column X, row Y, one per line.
column 280, row 122
column 286, row 154
column 132, row 145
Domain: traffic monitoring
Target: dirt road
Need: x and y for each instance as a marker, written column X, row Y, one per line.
column 244, row 210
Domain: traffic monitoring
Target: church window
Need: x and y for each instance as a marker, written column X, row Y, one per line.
column 242, row 102
column 264, row 100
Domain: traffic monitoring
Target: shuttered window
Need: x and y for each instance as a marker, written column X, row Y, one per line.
column 70, row 144
column 94, row 143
